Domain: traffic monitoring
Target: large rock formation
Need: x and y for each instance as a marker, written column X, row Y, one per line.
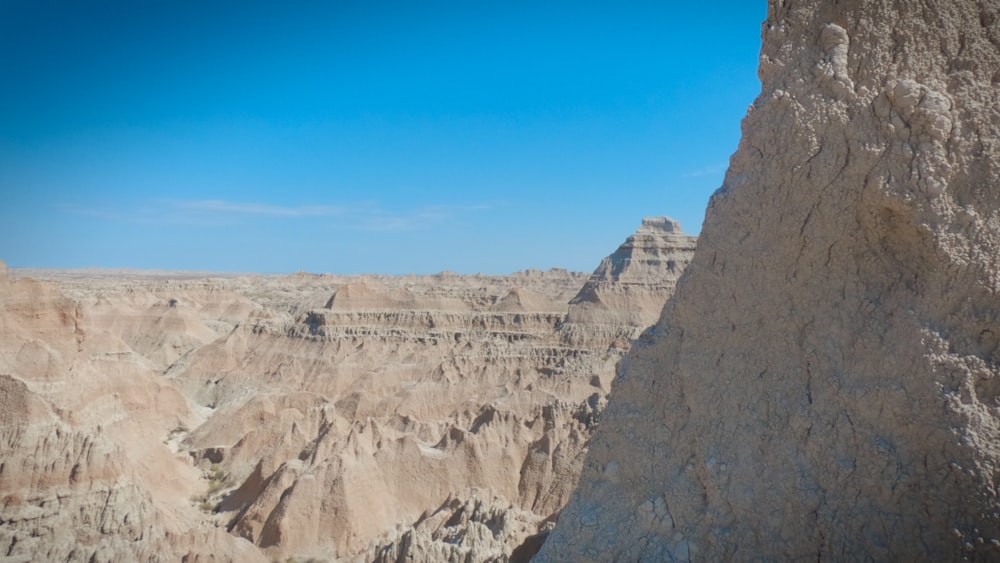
column 398, row 398
column 825, row 383
column 625, row 294
column 630, row 286
column 84, row 475
column 166, row 415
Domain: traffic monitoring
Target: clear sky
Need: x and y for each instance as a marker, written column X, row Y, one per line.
column 353, row 137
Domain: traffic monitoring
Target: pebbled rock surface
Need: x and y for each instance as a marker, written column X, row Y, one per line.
column 825, row 382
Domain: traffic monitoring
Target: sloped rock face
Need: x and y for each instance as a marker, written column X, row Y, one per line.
column 159, row 415
column 357, row 418
column 630, row 286
column 83, row 473
column 824, row 383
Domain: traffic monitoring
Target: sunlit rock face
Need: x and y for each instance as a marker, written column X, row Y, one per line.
column 162, row 416
column 824, row 383
column 630, row 286
column 84, row 472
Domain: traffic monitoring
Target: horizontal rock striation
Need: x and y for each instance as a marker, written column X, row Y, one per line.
column 630, row 286
column 397, row 409
column 151, row 417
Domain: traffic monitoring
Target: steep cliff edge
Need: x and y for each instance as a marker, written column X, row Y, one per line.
column 825, row 382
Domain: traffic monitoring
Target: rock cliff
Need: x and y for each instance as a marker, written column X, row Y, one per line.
column 824, row 383
column 630, row 286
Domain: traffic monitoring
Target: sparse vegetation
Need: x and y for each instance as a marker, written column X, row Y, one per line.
column 175, row 432
column 218, row 480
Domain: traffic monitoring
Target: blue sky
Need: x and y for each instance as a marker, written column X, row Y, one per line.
column 361, row 136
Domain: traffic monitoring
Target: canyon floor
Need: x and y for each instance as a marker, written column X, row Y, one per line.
column 159, row 415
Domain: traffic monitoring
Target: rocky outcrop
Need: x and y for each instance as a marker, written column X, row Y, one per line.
column 463, row 528
column 631, row 285
column 387, row 403
column 84, row 475
column 824, row 383
column 151, row 416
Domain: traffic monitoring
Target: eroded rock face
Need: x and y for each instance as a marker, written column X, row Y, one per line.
column 84, row 475
column 824, row 383
column 630, row 286
column 464, row 528
column 355, row 419
column 158, row 415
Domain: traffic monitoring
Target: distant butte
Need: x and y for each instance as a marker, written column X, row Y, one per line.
column 630, row 286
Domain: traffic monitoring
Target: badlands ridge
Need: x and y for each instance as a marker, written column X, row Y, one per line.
column 823, row 384
column 164, row 416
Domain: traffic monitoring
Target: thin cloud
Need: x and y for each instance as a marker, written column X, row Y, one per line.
column 421, row 217
column 102, row 213
column 250, row 208
column 711, row 170
column 367, row 217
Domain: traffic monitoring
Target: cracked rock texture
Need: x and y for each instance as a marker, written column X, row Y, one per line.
column 825, row 382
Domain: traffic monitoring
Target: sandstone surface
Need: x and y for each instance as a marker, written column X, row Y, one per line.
column 84, row 474
column 825, row 382
column 163, row 415
column 630, row 286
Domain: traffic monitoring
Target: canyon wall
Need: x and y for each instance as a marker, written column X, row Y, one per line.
column 158, row 415
column 825, row 382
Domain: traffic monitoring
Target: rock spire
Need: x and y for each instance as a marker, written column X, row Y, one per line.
column 630, row 286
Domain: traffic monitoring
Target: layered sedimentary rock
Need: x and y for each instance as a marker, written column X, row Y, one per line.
column 84, row 474
column 824, row 384
column 357, row 418
column 366, row 418
column 630, row 286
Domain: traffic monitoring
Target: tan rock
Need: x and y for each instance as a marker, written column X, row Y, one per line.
column 304, row 416
column 631, row 285
column 83, row 472
column 823, row 384
column 463, row 528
